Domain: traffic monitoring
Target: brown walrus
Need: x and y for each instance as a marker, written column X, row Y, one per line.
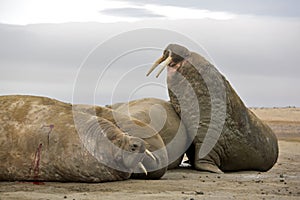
column 227, row 135
column 39, row 141
column 136, row 127
column 161, row 116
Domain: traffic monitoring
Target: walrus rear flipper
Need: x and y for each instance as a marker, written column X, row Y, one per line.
column 201, row 164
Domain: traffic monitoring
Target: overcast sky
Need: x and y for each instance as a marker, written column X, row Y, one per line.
column 100, row 50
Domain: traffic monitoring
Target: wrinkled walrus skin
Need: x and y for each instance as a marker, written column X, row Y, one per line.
column 243, row 143
column 161, row 116
column 40, row 142
column 135, row 127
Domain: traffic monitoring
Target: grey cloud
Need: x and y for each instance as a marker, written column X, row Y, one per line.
column 130, row 12
column 259, row 56
column 284, row 8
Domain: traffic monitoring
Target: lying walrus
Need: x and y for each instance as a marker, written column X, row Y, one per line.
column 228, row 136
column 136, row 127
column 39, row 141
column 161, row 116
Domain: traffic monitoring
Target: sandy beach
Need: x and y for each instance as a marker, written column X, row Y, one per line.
column 281, row 182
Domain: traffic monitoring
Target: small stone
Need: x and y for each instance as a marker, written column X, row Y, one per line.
column 281, row 176
column 199, row 192
column 65, row 197
column 218, row 176
column 281, row 180
column 192, row 199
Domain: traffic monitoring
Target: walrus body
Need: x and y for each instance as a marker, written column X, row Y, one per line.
column 39, row 141
column 161, row 116
column 205, row 101
column 138, row 128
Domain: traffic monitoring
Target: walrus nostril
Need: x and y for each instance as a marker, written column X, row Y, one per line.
column 136, row 145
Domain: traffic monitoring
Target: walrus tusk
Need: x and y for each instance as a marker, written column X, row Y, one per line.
column 160, row 60
column 142, row 167
column 167, row 62
column 149, row 153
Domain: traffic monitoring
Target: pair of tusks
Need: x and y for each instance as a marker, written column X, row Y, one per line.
column 140, row 164
column 160, row 60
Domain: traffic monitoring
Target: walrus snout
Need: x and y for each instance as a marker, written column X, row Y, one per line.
column 136, row 145
column 172, row 57
column 135, row 153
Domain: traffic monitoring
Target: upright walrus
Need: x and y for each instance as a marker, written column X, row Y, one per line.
column 226, row 135
column 43, row 139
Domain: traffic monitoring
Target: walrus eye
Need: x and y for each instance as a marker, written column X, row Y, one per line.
column 176, row 58
column 119, row 142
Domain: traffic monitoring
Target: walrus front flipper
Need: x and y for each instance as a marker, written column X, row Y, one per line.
column 204, row 164
column 209, row 167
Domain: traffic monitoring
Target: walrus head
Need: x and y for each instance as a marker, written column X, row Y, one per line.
column 173, row 56
column 132, row 151
column 111, row 146
column 138, row 148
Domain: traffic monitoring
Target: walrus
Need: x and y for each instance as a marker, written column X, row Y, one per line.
column 161, row 116
column 156, row 167
column 227, row 135
column 39, row 141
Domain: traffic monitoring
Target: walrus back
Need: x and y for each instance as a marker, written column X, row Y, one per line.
column 39, row 142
